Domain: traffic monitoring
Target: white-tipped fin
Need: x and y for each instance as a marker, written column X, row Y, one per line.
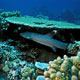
column 52, row 33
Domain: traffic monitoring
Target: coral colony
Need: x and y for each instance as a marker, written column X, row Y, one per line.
column 25, row 48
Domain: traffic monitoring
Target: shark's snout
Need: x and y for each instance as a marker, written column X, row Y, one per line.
column 27, row 36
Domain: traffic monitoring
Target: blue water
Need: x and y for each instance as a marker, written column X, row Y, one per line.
column 50, row 8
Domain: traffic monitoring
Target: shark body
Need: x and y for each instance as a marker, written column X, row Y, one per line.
column 45, row 40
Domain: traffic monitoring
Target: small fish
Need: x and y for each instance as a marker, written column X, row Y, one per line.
column 46, row 40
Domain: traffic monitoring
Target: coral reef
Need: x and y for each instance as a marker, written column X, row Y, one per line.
column 31, row 24
column 41, row 65
column 67, row 68
column 3, row 23
column 40, row 77
column 22, row 59
column 18, row 69
column 10, row 14
column 3, row 76
column 73, row 48
column 41, row 23
column 14, row 67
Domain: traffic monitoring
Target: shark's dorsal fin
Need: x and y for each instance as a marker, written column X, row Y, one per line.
column 52, row 33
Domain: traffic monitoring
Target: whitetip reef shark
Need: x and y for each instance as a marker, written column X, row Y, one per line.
column 46, row 40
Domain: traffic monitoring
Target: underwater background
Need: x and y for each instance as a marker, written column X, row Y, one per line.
column 39, row 39
column 54, row 9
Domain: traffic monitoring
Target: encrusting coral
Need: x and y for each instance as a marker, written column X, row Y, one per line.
column 67, row 68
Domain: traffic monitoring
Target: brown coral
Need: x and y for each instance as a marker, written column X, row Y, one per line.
column 67, row 68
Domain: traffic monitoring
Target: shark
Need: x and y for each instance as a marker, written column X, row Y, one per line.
column 46, row 40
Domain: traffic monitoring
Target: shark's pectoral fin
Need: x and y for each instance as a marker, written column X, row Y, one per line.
column 54, row 49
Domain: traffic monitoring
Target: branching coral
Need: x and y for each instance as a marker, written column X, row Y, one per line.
column 64, row 69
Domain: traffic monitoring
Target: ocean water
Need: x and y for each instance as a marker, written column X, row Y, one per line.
column 46, row 43
column 54, row 9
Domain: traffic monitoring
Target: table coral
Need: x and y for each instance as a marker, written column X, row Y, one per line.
column 41, row 23
column 67, row 68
